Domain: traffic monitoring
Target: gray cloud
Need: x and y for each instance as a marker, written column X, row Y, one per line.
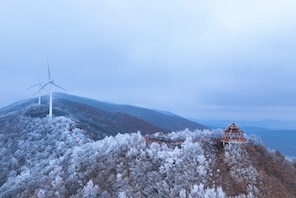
column 189, row 57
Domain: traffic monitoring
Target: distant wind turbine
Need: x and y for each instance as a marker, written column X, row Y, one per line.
column 50, row 83
column 39, row 93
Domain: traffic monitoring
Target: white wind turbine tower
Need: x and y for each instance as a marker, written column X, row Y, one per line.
column 50, row 83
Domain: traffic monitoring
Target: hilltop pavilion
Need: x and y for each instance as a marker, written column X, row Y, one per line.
column 233, row 134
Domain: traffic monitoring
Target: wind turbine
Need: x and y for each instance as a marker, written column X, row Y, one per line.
column 50, row 83
column 40, row 88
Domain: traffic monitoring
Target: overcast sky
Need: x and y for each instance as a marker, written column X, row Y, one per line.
column 211, row 59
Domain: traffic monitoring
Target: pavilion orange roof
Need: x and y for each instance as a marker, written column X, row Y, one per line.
column 234, row 129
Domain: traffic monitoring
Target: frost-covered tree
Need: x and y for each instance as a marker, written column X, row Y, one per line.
column 56, row 158
column 90, row 190
column 241, row 168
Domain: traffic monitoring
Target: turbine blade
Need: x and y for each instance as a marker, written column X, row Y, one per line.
column 45, row 90
column 48, row 70
column 43, row 87
column 33, row 86
column 58, row 86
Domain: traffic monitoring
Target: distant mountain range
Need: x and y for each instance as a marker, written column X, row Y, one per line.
column 275, row 134
column 265, row 124
column 102, row 119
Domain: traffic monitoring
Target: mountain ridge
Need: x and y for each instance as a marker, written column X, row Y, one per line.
column 102, row 118
column 155, row 117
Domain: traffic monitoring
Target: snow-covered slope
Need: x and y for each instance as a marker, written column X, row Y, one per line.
column 55, row 158
column 42, row 157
